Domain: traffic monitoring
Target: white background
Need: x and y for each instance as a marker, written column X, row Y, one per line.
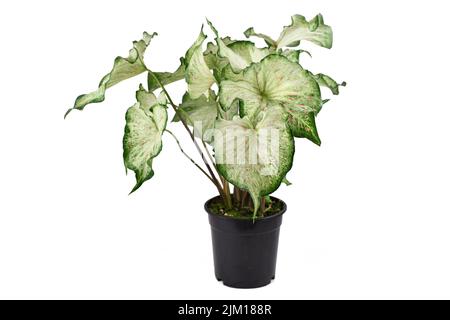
column 368, row 211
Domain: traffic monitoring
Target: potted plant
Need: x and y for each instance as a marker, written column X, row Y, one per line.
column 244, row 132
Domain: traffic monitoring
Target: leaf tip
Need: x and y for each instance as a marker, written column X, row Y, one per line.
column 249, row 32
column 307, row 52
column 134, row 189
column 212, row 27
column 286, row 181
column 147, row 37
column 67, row 113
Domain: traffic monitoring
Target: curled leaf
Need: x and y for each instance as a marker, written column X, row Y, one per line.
column 165, row 77
column 325, row 81
column 240, row 54
column 123, row 68
column 198, row 76
column 315, row 31
column 269, row 41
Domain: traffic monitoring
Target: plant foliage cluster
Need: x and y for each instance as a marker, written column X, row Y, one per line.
column 259, row 90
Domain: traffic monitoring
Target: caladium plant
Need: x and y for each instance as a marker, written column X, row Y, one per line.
column 244, row 131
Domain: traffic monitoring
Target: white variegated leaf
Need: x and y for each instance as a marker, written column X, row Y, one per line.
column 302, row 122
column 276, row 81
column 240, row 54
column 198, row 76
column 254, row 155
column 200, row 113
column 165, row 77
column 145, row 124
column 325, row 81
column 124, row 68
column 248, row 52
column 250, row 32
column 146, row 99
column 300, row 29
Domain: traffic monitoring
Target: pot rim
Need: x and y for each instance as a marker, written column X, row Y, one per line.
column 282, row 211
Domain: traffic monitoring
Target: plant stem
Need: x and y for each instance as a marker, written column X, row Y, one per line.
column 205, row 147
column 250, row 203
column 175, row 108
column 262, row 206
column 237, row 196
column 225, row 184
column 209, row 156
column 226, row 191
column 244, row 198
column 187, row 156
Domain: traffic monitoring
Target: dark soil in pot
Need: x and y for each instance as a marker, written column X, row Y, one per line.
column 245, row 250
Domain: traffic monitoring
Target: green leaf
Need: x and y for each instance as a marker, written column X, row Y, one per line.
column 269, row 41
column 254, row 156
column 198, row 76
column 145, row 124
column 240, row 54
column 276, row 81
column 165, row 77
column 124, row 68
column 325, row 81
column 314, row 31
column 200, row 113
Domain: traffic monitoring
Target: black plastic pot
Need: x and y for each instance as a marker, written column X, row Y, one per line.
column 245, row 252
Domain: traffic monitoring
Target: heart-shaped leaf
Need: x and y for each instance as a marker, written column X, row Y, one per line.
column 145, row 124
column 254, row 155
column 276, row 81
